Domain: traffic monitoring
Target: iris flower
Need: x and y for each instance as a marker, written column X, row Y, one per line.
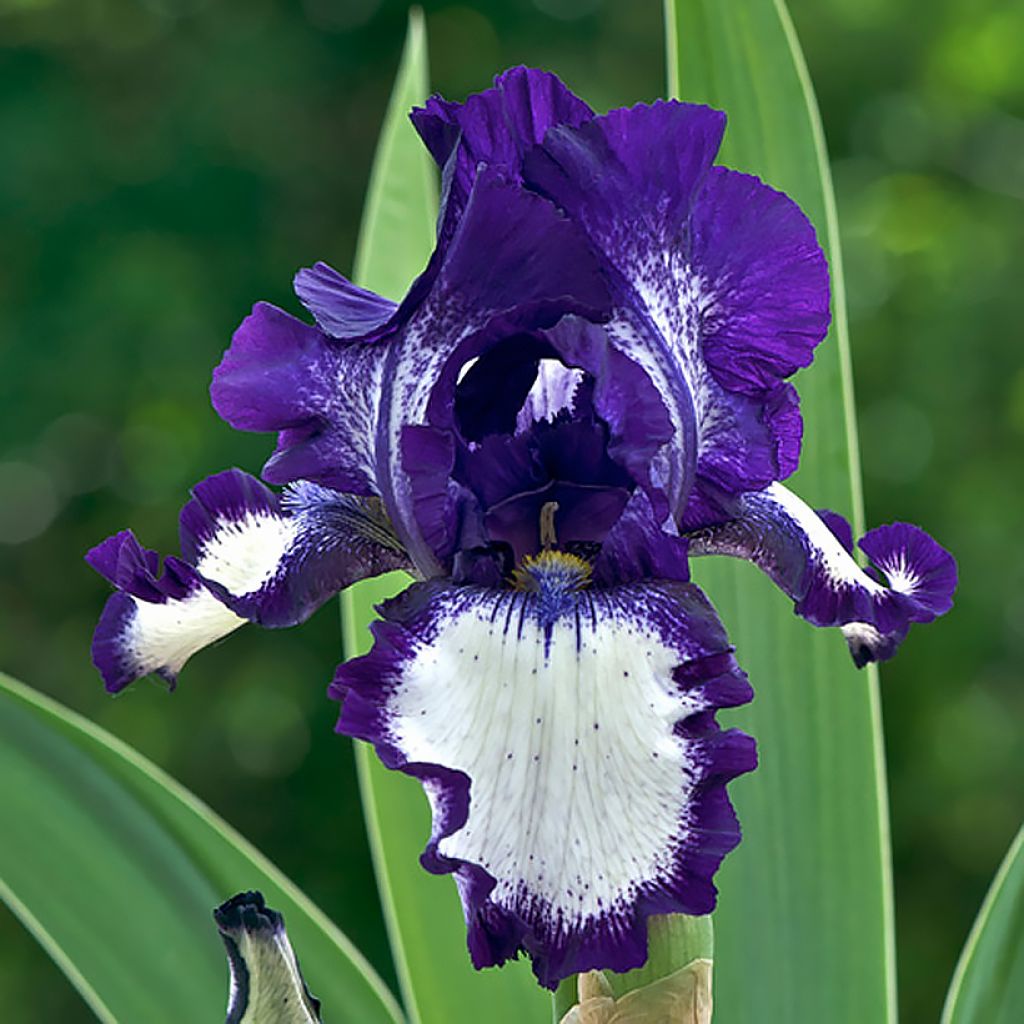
column 585, row 388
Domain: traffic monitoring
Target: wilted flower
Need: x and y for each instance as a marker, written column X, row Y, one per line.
column 586, row 386
column 266, row 981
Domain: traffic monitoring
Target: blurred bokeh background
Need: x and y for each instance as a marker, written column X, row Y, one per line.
column 164, row 163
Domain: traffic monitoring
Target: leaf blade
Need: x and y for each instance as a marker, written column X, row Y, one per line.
column 988, row 983
column 98, row 835
column 816, row 810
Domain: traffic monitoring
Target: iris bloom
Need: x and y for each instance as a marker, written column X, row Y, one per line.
column 586, row 387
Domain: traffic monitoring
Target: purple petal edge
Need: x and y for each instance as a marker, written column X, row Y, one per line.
column 496, row 933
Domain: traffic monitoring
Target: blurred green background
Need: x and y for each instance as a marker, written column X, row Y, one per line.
column 165, row 163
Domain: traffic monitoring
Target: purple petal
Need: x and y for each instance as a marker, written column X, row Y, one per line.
column 497, row 126
column 248, row 555
column 586, row 791
column 786, row 425
column 566, row 462
column 638, row 548
column 514, row 267
column 322, row 396
column 915, row 566
column 632, row 170
column 627, row 399
column 343, row 310
column 805, row 555
column 722, row 288
column 766, row 277
column 839, row 527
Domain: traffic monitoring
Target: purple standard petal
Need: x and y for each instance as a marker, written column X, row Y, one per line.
column 631, row 169
column 247, row 555
column 515, row 267
column 566, row 740
column 766, row 281
column 722, row 288
column 805, row 554
column 495, row 126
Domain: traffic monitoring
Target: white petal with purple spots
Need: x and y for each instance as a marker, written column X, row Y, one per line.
column 569, row 749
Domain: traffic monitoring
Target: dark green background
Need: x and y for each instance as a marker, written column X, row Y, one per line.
column 164, row 164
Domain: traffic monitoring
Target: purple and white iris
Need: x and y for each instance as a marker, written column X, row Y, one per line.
column 585, row 387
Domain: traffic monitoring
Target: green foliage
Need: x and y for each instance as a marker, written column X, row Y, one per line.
column 988, row 987
column 116, row 870
column 804, row 927
column 424, row 917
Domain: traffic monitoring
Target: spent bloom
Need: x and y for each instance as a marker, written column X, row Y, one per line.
column 586, row 387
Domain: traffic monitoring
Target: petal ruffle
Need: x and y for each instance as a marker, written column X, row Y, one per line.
column 634, row 169
column 766, row 279
column 806, row 554
column 494, row 127
column 567, row 743
column 248, row 554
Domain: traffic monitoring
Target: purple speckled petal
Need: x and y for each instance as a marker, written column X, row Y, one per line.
column 514, row 267
column 321, row 395
column 587, row 791
column 806, row 556
column 722, row 288
column 342, row 309
column 247, row 555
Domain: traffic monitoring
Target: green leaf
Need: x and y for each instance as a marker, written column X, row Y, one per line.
column 116, row 869
column 803, row 933
column 423, row 913
column 396, row 236
column 988, row 984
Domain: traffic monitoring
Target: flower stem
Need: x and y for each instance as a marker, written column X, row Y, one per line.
column 675, row 941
